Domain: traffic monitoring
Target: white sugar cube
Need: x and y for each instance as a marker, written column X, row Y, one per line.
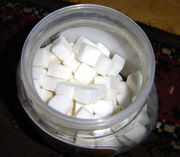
column 111, row 94
column 45, row 94
column 103, row 49
column 59, row 71
column 124, row 140
column 84, row 74
column 137, row 133
column 73, row 80
column 109, row 141
column 65, row 88
column 72, row 63
column 118, row 78
column 77, row 107
column 118, row 64
column 134, row 82
column 88, row 54
column 122, row 87
column 38, row 74
column 143, row 118
column 85, row 139
column 108, row 81
column 89, row 107
column 101, row 89
column 41, row 58
column 124, row 100
column 103, row 107
column 103, row 65
column 70, row 111
column 50, row 83
column 79, row 42
column 101, row 132
column 61, row 48
column 60, row 103
column 54, row 59
column 86, row 95
column 84, row 113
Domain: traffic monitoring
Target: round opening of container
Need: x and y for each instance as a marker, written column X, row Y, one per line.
column 104, row 19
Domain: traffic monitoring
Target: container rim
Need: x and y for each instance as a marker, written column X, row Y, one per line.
column 89, row 123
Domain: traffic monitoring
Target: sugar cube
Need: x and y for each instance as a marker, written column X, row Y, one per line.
column 79, row 42
column 72, row 63
column 103, row 49
column 62, row 48
column 84, row 74
column 103, row 65
column 59, row 71
column 124, row 100
column 84, row 113
column 103, row 107
column 53, row 59
column 38, row 73
column 108, row 81
column 86, row 95
column 65, row 88
column 134, row 82
column 60, row 103
column 88, row 54
column 118, row 64
column 50, row 83
column 41, row 58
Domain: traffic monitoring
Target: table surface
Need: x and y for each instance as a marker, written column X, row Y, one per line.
column 162, row 14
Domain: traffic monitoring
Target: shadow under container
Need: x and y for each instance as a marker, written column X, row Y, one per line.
column 95, row 137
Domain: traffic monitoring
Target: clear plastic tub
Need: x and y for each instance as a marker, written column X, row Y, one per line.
column 95, row 137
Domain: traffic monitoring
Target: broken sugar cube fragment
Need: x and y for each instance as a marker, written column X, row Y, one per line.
column 60, row 103
column 59, row 71
column 84, row 74
column 41, row 58
column 62, row 48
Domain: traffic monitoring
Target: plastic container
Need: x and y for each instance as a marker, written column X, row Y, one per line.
column 97, row 137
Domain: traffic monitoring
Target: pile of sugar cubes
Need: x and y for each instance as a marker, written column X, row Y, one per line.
column 82, row 79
